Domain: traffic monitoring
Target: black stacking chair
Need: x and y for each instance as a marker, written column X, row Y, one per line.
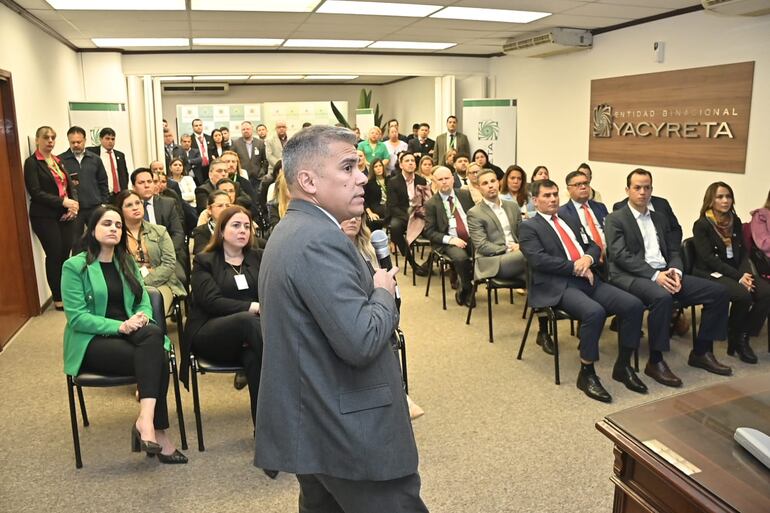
column 419, row 243
column 554, row 315
column 87, row 379
column 401, row 347
column 443, row 262
column 688, row 260
column 492, row 284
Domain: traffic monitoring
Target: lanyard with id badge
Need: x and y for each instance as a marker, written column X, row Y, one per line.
column 240, row 278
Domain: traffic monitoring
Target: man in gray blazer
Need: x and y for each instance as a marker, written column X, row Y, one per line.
column 451, row 139
column 331, row 406
column 251, row 152
column 274, row 145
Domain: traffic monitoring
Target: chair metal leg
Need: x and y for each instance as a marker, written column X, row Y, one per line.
column 178, row 399
column 526, row 333
column 74, row 422
column 693, row 321
column 430, row 273
column 495, row 296
column 555, row 330
column 489, row 312
column 196, row 403
column 470, row 307
column 572, row 327
column 526, row 305
column 83, row 411
column 636, row 359
column 404, row 373
column 442, row 272
column 511, row 291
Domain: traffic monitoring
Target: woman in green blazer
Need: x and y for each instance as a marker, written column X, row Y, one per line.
column 109, row 328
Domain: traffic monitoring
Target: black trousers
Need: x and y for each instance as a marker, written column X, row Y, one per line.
column 234, row 338
column 694, row 291
column 398, row 235
column 591, row 305
column 320, row 493
column 748, row 310
column 56, row 238
column 140, row 354
column 81, row 221
column 461, row 260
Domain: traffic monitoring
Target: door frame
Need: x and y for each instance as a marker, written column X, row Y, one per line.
column 19, row 193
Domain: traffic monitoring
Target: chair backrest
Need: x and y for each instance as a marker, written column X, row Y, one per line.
column 158, row 308
column 748, row 240
column 688, row 255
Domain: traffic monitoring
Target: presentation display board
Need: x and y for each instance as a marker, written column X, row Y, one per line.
column 233, row 114
column 490, row 125
column 93, row 116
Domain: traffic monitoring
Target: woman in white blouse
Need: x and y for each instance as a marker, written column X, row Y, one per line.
column 394, row 146
column 186, row 183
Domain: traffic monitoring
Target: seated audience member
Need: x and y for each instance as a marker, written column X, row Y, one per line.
column 185, row 183
column 643, row 257
column 241, row 179
column 422, row 144
column 217, row 202
column 360, row 235
column 425, row 169
column 562, row 258
column 760, row 231
column 376, row 196
column 217, row 171
column 540, row 173
column 233, row 162
column 586, row 212
column 159, row 210
column 473, row 182
column 363, row 165
column 415, row 131
column 237, row 197
column 586, row 170
column 402, row 191
column 151, row 247
column 514, row 188
column 373, row 148
column 481, row 158
column 720, row 256
column 183, row 210
column 217, row 145
column 279, row 203
column 394, row 146
column 449, row 159
column 223, row 325
column 446, row 227
column 460, row 167
column 102, row 335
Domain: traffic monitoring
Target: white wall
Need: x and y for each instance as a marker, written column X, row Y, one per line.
column 554, row 93
column 46, row 76
column 409, row 101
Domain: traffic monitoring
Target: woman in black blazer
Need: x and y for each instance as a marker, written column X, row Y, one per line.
column 53, row 207
column 223, row 325
column 720, row 256
column 376, row 195
column 217, row 145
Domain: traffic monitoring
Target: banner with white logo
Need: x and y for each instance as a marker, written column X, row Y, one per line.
column 490, row 125
column 93, row 116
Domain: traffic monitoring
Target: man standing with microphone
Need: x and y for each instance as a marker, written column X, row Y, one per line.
column 331, row 407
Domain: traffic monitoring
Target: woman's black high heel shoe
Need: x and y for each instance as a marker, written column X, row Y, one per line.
column 175, row 458
column 137, row 444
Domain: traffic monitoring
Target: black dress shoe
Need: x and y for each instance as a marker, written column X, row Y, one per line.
column 240, row 381
column 459, row 298
column 662, row 374
column 420, row 270
column 626, row 375
column 272, row 474
column 545, row 341
column 708, row 362
column 592, row 386
column 470, row 300
column 741, row 346
column 176, row 458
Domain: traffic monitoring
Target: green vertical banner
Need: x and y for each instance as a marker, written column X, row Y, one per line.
column 490, row 125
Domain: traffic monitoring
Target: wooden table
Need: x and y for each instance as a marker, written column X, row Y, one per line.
column 677, row 455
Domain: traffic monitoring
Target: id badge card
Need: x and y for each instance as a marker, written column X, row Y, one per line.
column 240, row 282
column 584, row 236
column 144, row 271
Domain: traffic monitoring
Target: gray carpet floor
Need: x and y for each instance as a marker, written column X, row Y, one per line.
column 498, row 435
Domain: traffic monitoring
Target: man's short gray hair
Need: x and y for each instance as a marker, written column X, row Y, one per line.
column 309, row 147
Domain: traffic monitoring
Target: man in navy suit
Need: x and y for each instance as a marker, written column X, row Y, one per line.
column 114, row 161
column 586, row 212
column 191, row 158
column 562, row 258
column 643, row 256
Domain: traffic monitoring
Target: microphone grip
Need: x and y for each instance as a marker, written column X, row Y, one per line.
column 387, row 264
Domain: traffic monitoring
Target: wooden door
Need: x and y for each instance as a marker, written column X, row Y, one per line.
column 18, row 289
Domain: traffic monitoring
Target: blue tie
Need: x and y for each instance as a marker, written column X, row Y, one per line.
column 146, row 213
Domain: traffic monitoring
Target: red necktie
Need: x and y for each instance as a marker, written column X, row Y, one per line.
column 204, row 157
column 462, row 232
column 595, row 235
column 115, row 181
column 574, row 254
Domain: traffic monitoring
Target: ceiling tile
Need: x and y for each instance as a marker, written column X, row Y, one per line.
column 34, row 4
column 222, row 20
column 668, row 5
column 615, row 11
column 553, row 6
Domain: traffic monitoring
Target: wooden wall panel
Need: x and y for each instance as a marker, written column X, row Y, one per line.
column 693, row 119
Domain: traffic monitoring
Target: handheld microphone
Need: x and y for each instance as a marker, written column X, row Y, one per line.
column 380, row 243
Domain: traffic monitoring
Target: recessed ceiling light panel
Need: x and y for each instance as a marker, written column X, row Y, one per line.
column 117, row 5
column 255, row 5
column 214, row 78
column 480, row 14
column 331, row 77
column 128, row 42
column 326, row 43
column 235, row 41
column 276, row 77
column 411, row 45
column 377, row 8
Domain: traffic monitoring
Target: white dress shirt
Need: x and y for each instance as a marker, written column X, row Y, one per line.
column 568, row 231
column 148, row 207
column 584, row 221
column 451, row 217
column 652, row 254
column 503, row 218
column 105, row 156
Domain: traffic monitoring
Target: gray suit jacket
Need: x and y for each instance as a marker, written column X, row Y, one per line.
column 488, row 237
column 331, row 399
column 274, row 151
column 436, row 219
column 253, row 164
column 167, row 215
column 461, row 143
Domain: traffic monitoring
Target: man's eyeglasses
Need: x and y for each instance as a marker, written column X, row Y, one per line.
column 580, row 184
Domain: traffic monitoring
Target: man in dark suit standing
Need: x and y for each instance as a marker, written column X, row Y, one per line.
column 191, row 158
column 331, row 406
column 401, row 192
column 643, row 255
column 251, row 152
column 422, row 145
column 562, row 258
column 451, row 140
column 586, row 212
column 114, row 161
column 170, row 148
column 446, row 227
column 91, row 179
column 201, row 142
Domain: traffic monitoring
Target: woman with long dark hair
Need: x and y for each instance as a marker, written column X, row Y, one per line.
column 376, row 195
column 53, row 207
column 513, row 187
column 721, row 256
column 481, row 158
column 110, row 330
